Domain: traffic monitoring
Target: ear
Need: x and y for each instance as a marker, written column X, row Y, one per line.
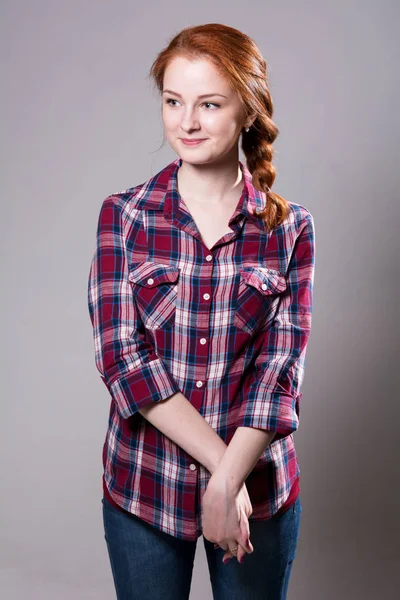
column 251, row 121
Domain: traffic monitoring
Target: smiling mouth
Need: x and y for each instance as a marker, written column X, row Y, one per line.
column 192, row 141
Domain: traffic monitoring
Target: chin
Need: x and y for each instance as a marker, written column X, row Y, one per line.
column 194, row 160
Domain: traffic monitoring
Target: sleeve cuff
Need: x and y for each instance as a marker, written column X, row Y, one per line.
column 150, row 382
column 271, row 410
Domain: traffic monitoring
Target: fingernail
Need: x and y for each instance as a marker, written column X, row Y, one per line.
column 248, row 542
column 225, row 560
column 241, row 560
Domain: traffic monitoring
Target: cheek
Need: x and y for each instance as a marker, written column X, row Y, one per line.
column 226, row 127
column 170, row 120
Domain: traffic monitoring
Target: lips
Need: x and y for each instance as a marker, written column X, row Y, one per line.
column 192, row 142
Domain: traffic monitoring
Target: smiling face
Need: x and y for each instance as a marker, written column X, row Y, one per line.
column 217, row 118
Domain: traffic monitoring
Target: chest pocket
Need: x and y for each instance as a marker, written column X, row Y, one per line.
column 155, row 290
column 257, row 297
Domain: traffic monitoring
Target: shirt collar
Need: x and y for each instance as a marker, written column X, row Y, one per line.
column 162, row 193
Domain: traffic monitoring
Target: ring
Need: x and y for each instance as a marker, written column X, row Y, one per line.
column 233, row 549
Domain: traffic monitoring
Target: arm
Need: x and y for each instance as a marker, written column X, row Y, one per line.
column 127, row 362
column 271, row 407
column 181, row 422
column 272, row 398
column 136, row 378
column 235, row 465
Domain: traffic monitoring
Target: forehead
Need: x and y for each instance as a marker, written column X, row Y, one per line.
column 198, row 76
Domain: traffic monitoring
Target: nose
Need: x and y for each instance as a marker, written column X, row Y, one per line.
column 189, row 121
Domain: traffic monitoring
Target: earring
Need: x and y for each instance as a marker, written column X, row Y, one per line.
column 247, row 128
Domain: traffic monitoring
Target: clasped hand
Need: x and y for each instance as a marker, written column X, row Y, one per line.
column 225, row 517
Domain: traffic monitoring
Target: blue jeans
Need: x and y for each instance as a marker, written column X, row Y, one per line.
column 148, row 564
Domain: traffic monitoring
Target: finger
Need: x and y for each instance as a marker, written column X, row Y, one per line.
column 245, row 530
column 225, row 548
column 249, row 507
column 228, row 554
column 240, row 552
column 242, row 524
column 242, row 548
column 246, row 546
column 227, row 557
column 237, row 553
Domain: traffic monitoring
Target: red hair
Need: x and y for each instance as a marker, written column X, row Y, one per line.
column 238, row 59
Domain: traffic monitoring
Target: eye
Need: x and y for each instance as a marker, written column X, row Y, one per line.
column 169, row 100
column 213, row 103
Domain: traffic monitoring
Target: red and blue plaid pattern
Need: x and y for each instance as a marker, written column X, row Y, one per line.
column 228, row 326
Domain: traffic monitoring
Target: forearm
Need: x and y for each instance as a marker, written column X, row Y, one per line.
column 241, row 455
column 184, row 425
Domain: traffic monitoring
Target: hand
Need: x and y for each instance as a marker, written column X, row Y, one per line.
column 225, row 517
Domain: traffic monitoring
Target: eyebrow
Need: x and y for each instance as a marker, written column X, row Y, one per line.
column 202, row 95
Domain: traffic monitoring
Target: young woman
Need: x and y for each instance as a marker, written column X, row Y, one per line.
column 200, row 297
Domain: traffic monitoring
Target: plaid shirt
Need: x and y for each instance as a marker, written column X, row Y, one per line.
column 227, row 326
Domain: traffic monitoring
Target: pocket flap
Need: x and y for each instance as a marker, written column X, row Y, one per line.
column 149, row 273
column 267, row 281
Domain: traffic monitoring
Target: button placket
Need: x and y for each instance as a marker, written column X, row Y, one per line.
column 202, row 348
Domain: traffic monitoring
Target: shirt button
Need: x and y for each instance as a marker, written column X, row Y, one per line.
column 209, row 257
column 192, row 467
column 203, row 341
column 264, row 286
column 199, row 383
column 150, row 281
column 206, row 296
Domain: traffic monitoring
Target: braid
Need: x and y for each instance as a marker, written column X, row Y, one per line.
column 257, row 147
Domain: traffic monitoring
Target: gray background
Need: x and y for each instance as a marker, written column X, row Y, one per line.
column 80, row 120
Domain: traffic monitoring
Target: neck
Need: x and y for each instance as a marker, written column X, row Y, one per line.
column 211, row 183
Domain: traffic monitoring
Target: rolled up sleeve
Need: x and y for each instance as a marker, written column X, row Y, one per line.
column 126, row 360
column 272, row 397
